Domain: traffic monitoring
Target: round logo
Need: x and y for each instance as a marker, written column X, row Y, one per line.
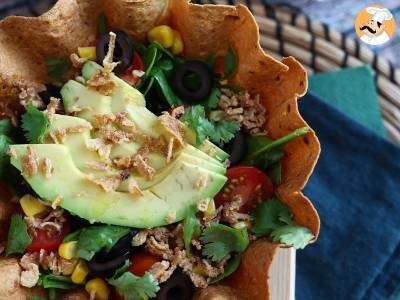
column 375, row 25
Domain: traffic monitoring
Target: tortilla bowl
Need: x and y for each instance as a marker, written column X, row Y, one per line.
column 25, row 43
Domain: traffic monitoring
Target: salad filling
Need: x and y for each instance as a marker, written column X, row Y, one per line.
column 140, row 173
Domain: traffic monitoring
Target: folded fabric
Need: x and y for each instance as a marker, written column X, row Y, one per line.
column 353, row 92
column 356, row 190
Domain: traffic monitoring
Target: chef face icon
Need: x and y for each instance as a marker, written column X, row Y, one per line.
column 375, row 25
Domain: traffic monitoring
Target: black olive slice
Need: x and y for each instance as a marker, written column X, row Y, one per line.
column 237, row 148
column 51, row 91
column 121, row 247
column 178, row 287
column 192, row 80
column 123, row 50
column 107, row 269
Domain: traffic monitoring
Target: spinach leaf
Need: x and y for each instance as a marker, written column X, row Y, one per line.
column 190, row 226
column 18, row 238
column 51, row 281
column 92, row 239
column 57, row 68
column 163, row 83
column 212, row 101
column 149, row 58
column 229, row 268
column 230, row 63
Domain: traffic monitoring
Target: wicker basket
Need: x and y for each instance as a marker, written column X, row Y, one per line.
column 284, row 31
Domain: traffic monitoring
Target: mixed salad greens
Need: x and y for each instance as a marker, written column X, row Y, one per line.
column 213, row 233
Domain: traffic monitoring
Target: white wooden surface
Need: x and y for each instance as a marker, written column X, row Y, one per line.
column 283, row 274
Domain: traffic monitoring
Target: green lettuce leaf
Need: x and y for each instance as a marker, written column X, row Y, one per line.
column 18, row 238
column 133, row 287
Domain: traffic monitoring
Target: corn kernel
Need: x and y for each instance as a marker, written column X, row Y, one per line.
column 68, row 250
column 162, row 34
column 31, row 205
column 210, row 209
column 69, row 269
column 223, row 82
column 177, row 46
column 80, row 272
column 98, row 287
column 199, row 271
column 87, row 52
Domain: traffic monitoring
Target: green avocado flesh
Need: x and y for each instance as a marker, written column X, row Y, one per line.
column 68, row 144
column 172, row 196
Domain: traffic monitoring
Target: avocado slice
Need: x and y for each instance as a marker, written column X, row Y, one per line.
column 124, row 94
column 170, row 197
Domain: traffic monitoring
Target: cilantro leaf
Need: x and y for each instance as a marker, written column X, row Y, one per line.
column 293, row 235
column 213, row 99
column 218, row 132
column 92, row 239
column 18, row 237
column 133, row 287
column 229, row 268
column 220, row 240
column 51, row 281
column 5, row 142
column 230, row 63
column 57, row 68
column 267, row 216
column 190, row 225
column 34, row 124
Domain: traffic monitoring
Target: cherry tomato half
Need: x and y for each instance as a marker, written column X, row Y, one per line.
column 48, row 243
column 141, row 262
column 137, row 64
column 249, row 183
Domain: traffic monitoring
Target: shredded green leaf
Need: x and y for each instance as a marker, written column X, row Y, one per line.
column 34, row 124
column 219, row 132
column 268, row 216
column 5, row 142
column 133, row 287
column 220, row 240
column 230, row 63
column 92, row 239
column 190, row 226
column 293, row 235
column 229, row 268
column 18, row 238
column 57, row 68
column 51, row 281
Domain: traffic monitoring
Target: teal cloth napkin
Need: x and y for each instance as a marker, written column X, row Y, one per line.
column 353, row 92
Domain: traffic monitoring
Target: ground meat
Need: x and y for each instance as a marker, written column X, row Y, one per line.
column 157, row 248
column 55, row 263
column 29, row 93
column 30, row 163
column 47, row 168
column 107, row 183
column 162, row 270
column 231, row 214
column 145, row 169
column 52, row 223
column 77, row 61
column 30, row 265
column 241, row 107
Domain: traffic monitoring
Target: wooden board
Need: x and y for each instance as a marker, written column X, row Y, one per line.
column 282, row 275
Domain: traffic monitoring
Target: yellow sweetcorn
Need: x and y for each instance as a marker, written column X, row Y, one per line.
column 87, row 52
column 68, row 250
column 177, row 46
column 210, row 209
column 80, row 272
column 199, row 271
column 98, row 287
column 162, row 34
column 31, row 205
column 70, row 268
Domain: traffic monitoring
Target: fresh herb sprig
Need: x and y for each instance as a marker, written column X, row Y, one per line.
column 191, row 225
column 92, row 239
column 220, row 240
column 51, row 281
column 57, row 68
column 274, row 219
column 18, row 237
column 34, row 124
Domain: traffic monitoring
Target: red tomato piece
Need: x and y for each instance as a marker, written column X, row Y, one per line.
column 249, row 183
column 49, row 243
column 137, row 64
column 141, row 262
